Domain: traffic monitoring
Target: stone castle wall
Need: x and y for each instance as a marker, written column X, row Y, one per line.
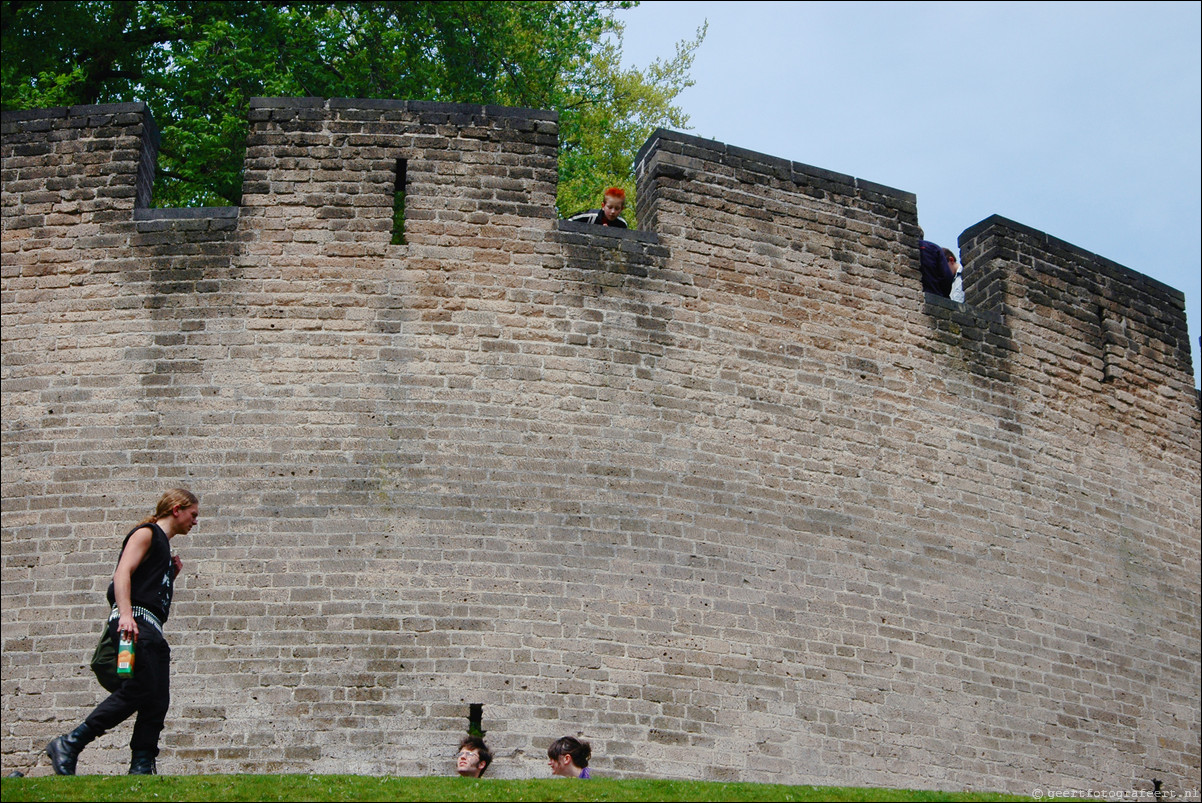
column 728, row 496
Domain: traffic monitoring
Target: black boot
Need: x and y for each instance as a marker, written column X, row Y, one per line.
column 142, row 763
column 64, row 751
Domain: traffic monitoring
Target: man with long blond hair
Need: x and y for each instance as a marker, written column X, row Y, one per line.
column 140, row 596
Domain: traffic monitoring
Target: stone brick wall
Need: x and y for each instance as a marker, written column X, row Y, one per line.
column 728, row 496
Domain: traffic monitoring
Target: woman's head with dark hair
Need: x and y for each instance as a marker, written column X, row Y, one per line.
column 569, row 756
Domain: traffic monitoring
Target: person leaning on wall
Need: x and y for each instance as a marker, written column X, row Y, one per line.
column 140, row 596
column 937, row 276
column 957, row 291
column 568, row 758
column 610, row 212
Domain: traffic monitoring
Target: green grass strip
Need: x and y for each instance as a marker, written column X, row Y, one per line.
column 361, row 787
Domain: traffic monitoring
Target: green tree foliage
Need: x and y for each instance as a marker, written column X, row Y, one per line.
column 197, row 64
column 606, row 115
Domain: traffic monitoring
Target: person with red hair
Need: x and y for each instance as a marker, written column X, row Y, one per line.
column 610, row 212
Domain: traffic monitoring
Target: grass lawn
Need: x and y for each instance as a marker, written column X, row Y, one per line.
column 360, row 787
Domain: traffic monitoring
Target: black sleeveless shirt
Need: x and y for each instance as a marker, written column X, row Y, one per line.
column 152, row 582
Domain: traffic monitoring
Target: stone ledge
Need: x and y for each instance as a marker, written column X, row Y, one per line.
column 959, row 309
column 416, row 106
column 798, row 172
column 73, row 111
column 187, row 213
column 1050, row 244
column 593, row 229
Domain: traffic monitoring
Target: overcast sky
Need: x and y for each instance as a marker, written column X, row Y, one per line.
column 1078, row 119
